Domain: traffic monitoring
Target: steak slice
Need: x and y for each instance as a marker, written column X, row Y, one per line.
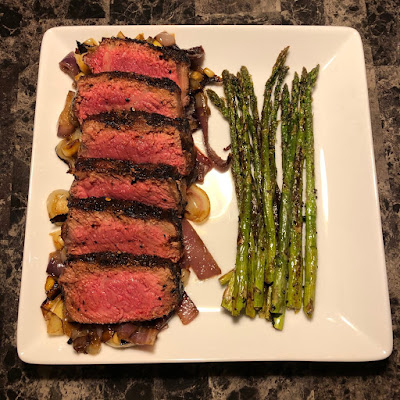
column 141, row 57
column 98, row 225
column 119, row 180
column 119, row 290
column 116, row 91
column 139, row 137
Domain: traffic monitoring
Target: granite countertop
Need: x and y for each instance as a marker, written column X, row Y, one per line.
column 22, row 25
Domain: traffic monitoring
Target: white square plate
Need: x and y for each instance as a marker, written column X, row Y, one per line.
column 352, row 319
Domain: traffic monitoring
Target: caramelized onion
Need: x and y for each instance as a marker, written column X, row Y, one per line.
column 202, row 113
column 86, row 341
column 185, row 274
column 57, row 203
column 196, row 254
column 165, row 38
column 52, row 287
column 187, row 310
column 69, row 65
column 116, row 343
column 81, row 64
column 68, row 149
column 94, row 343
column 67, row 122
column 198, row 204
column 57, row 239
column 86, row 46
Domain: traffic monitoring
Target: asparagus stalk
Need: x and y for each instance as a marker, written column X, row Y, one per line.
column 279, row 320
column 268, row 189
column 227, row 296
column 294, row 97
column 272, row 139
column 231, row 112
column 250, row 311
column 269, row 120
column 250, row 104
column 241, row 272
column 279, row 289
column 218, row 102
column 224, row 279
column 311, row 254
column 285, row 122
column 261, row 262
column 266, row 308
column 295, row 282
column 240, row 285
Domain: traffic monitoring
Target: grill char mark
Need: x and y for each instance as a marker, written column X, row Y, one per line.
column 160, row 83
column 114, row 119
column 129, row 208
column 110, row 258
column 123, row 167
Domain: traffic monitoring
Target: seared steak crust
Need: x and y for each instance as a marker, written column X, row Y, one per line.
column 141, row 138
column 167, row 52
column 98, row 225
column 116, row 91
column 104, row 179
column 117, row 119
column 141, row 57
column 130, row 118
column 174, row 53
column 131, row 209
column 109, row 258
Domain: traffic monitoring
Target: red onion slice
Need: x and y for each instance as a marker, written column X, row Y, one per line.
column 203, row 166
column 55, row 265
column 196, row 56
column 69, row 65
column 137, row 334
column 202, row 116
column 196, row 254
column 187, row 310
column 144, row 336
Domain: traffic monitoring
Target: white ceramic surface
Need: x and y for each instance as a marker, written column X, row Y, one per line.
column 352, row 319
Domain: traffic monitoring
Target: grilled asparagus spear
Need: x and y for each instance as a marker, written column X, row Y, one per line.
column 311, row 253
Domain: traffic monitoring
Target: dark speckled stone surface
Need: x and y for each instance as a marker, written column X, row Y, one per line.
column 22, row 25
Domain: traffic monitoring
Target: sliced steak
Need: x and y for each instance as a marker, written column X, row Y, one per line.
column 115, row 91
column 98, row 225
column 120, row 290
column 116, row 180
column 141, row 57
column 141, row 138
